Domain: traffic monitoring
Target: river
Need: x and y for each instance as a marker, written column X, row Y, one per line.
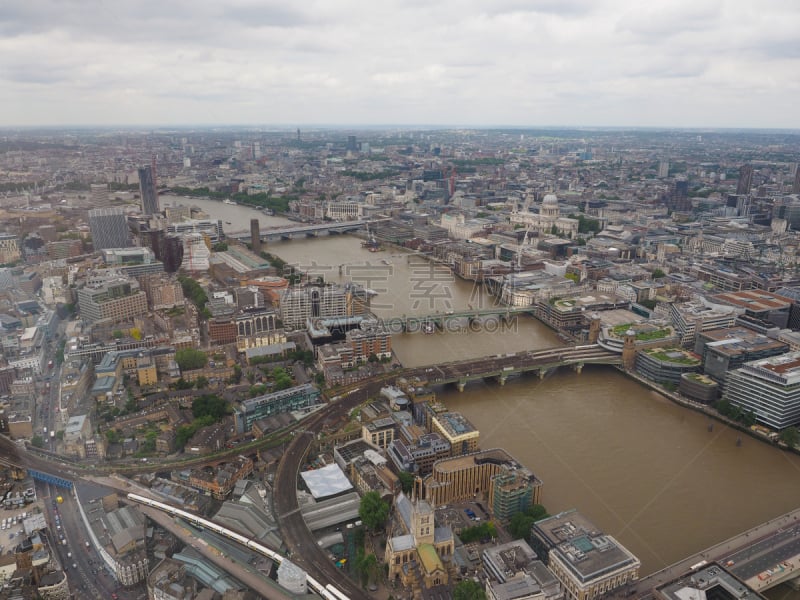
column 643, row 469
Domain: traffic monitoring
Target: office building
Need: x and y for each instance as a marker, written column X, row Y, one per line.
column 769, row 389
column 666, row 365
column 516, row 573
column 148, row 191
column 796, row 181
column 298, row 305
column 745, row 181
column 725, row 350
column 260, row 407
column 458, row 431
column 112, row 298
column 460, row 478
column 109, row 228
column 587, row 562
column 196, row 253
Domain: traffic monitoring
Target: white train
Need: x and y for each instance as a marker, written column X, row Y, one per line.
column 328, row 592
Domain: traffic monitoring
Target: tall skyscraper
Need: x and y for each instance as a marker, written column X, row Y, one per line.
column 147, row 188
column 745, row 180
column 663, row 169
column 796, row 184
column 352, row 145
column 109, row 228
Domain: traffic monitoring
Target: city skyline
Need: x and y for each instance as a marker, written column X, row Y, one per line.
column 571, row 63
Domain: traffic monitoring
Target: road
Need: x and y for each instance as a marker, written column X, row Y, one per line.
column 90, row 578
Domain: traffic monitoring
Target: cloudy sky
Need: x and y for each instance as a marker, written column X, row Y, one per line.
column 673, row 63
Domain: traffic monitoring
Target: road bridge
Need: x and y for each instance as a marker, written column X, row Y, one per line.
column 763, row 557
column 302, row 230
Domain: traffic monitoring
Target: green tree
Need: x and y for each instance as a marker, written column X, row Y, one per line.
column 189, row 359
column 520, row 526
column 790, row 436
column 406, row 481
column 182, row 384
column 373, row 510
column 281, row 379
column 219, row 247
column 366, row 567
column 113, row 436
column 658, row 274
column 210, row 405
column 37, row 441
column 468, row 590
column 201, row 383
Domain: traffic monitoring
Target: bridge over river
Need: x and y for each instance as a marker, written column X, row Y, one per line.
column 303, row 230
column 500, row 367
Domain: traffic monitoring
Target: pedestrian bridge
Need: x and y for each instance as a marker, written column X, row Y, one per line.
column 502, row 366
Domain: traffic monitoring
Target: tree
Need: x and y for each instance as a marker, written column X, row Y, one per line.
column 406, row 481
column 373, row 511
column 658, row 274
column 790, row 436
column 520, row 526
column 189, row 359
column 281, row 379
column 201, row 383
column 366, row 566
column 37, row 441
column 468, row 590
column 210, row 405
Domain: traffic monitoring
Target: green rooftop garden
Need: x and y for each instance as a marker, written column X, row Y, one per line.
column 700, row 378
column 644, row 335
column 674, row 355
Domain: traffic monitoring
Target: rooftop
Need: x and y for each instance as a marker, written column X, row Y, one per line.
column 588, row 553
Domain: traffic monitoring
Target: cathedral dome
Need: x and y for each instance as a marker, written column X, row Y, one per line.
column 550, row 200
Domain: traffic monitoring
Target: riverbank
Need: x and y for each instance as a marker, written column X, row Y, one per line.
column 705, row 409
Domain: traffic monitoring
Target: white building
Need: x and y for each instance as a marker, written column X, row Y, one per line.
column 769, row 388
column 548, row 220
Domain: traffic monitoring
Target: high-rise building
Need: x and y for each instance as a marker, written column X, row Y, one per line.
column 796, row 184
column 745, row 180
column 255, row 236
column 111, row 298
column 99, row 195
column 109, row 228
column 147, row 188
column 352, row 145
column 769, row 389
column 663, row 169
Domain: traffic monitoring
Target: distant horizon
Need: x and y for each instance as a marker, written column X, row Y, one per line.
column 311, row 127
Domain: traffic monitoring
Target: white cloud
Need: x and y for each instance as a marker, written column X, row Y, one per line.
column 518, row 62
